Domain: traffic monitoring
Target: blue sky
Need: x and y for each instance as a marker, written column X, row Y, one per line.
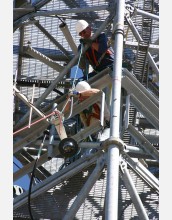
column 76, row 71
column 24, row 181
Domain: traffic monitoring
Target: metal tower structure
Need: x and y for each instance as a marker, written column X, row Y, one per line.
column 120, row 180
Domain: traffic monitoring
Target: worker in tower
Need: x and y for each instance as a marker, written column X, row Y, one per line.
column 99, row 55
column 92, row 114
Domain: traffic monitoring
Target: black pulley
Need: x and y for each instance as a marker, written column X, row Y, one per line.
column 68, row 147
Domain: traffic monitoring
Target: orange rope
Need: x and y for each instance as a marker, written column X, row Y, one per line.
column 53, row 113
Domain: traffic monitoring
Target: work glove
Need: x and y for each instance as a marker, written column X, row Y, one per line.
column 73, row 93
column 86, row 41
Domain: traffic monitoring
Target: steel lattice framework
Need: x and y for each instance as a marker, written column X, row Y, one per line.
column 119, row 181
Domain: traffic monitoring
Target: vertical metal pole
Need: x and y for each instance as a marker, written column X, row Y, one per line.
column 111, row 209
column 102, row 109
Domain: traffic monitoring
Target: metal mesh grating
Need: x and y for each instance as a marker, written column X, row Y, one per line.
column 54, row 203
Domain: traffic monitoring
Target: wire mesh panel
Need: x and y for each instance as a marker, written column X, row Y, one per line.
column 57, row 201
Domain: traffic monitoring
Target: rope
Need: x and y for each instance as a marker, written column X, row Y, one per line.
column 73, row 86
column 71, row 107
column 65, row 105
column 34, row 123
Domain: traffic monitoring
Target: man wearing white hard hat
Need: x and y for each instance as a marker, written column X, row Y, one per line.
column 99, row 55
column 92, row 114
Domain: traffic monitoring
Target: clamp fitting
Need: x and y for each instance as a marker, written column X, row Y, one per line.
column 114, row 141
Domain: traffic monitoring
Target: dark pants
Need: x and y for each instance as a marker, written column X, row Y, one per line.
column 93, row 73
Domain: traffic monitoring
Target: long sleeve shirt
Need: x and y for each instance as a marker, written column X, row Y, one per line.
column 95, row 57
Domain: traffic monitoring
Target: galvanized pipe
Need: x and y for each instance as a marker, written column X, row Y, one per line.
column 111, row 209
column 24, row 9
column 102, row 109
column 149, row 148
column 64, row 28
column 143, row 172
column 140, row 86
column 146, row 14
column 133, row 193
column 145, row 111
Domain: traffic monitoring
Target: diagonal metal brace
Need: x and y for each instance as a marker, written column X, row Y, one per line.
column 122, row 165
column 141, row 211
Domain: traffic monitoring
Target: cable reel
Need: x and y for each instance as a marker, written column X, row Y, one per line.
column 68, row 147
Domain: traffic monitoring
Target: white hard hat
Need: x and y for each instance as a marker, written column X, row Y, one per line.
column 82, row 86
column 81, row 25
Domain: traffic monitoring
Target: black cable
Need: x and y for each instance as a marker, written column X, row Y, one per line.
column 60, row 19
column 55, row 15
column 16, row 165
column 46, row 132
column 30, row 187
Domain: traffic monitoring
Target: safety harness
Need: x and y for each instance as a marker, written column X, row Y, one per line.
column 93, row 111
column 97, row 62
